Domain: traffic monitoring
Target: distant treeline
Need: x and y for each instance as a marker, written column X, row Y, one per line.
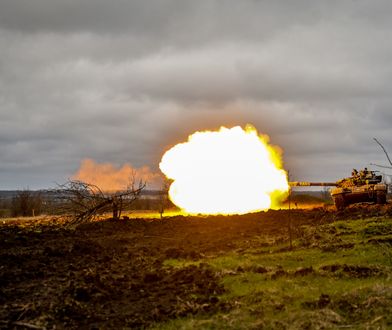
column 311, row 197
column 33, row 203
column 21, row 203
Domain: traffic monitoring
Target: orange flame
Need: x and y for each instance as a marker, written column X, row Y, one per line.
column 230, row 171
column 109, row 178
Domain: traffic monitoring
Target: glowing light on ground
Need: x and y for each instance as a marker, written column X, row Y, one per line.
column 230, row 171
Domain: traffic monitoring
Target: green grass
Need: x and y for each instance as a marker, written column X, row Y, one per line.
column 345, row 297
column 365, row 254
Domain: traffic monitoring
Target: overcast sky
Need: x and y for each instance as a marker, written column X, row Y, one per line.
column 119, row 81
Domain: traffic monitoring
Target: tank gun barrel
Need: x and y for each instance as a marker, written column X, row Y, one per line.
column 312, row 184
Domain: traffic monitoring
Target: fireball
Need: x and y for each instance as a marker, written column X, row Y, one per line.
column 230, row 171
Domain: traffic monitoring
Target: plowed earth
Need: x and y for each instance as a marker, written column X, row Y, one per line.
column 111, row 274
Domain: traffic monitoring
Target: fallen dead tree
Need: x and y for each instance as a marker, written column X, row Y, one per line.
column 85, row 201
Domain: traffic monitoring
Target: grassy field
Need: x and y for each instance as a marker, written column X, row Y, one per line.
column 337, row 275
column 200, row 272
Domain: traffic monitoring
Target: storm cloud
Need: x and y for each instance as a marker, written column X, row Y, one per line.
column 121, row 81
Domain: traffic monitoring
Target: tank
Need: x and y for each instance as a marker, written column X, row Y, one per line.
column 365, row 186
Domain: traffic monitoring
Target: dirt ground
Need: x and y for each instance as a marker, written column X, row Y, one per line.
column 111, row 274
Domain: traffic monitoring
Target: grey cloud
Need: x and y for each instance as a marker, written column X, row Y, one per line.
column 158, row 17
column 75, row 15
column 121, row 81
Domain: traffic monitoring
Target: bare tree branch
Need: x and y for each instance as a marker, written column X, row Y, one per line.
column 381, row 166
column 86, row 201
column 390, row 162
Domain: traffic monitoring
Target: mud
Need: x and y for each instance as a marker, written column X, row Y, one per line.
column 111, row 274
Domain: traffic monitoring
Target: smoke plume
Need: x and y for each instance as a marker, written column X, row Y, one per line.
column 109, row 178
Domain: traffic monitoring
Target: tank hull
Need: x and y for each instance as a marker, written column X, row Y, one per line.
column 375, row 193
